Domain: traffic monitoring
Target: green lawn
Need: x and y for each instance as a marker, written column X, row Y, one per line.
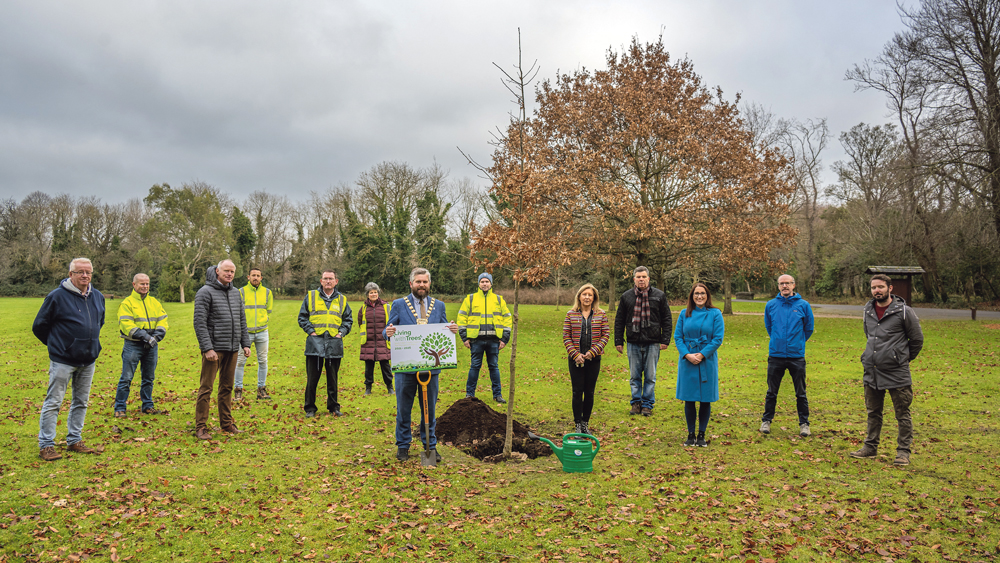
column 330, row 489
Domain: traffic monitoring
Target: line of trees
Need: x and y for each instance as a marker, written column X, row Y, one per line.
column 393, row 217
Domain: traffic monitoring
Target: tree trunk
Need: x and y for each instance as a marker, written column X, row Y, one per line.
column 728, row 286
column 182, row 291
column 508, row 440
column 558, row 289
column 612, row 296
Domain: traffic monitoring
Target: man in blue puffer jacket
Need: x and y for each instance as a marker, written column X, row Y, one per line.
column 788, row 319
column 69, row 324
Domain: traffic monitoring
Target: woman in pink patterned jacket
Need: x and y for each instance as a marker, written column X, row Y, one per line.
column 585, row 334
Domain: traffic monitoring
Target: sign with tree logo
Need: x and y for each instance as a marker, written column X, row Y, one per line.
column 423, row 347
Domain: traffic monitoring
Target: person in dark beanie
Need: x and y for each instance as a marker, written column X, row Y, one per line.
column 484, row 324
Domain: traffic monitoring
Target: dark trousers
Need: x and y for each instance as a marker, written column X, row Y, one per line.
column 584, row 380
column 225, row 367
column 370, row 373
column 701, row 415
column 314, row 368
column 901, row 400
column 796, row 368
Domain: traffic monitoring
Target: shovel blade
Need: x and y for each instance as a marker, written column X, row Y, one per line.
column 428, row 459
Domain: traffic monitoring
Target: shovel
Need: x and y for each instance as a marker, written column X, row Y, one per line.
column 427, row 457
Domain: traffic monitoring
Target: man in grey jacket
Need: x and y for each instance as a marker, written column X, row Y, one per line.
column 894, row 340
column 221, row 328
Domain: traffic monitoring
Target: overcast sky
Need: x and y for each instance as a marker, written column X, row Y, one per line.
column 108, row 98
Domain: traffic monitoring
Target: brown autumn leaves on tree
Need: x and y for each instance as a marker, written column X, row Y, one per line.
column 636, row 164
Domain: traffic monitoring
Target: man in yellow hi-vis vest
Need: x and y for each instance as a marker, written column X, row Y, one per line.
column 142, row 323
column 484, row 325
column 326, row 317
column 258, row 301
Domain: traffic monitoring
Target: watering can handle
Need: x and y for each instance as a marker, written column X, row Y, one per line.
column 587, row 436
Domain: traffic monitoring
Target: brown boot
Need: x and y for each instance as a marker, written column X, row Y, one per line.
column 865, row 451
column 232, row 429
column 636, row 408
column 262, row 393
column 82, row 448
column 203, row 434
column 49, row 454
column 238, row 394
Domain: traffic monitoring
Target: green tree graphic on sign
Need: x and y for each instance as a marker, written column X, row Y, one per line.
column 436, row 346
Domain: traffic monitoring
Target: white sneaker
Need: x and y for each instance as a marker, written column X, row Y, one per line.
column 765, row 427
column 804, row 430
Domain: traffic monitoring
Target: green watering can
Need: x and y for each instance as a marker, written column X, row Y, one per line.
column 577, row 452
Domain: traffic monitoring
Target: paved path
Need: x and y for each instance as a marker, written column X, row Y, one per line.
column 924, row 313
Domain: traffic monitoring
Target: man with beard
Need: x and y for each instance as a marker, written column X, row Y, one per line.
column 643, row 320
column 416, row 308
column 258, row 302
column 894, row 340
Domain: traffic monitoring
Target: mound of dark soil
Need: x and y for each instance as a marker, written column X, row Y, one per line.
column 478, row 430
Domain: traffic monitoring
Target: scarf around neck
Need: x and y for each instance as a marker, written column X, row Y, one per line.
column 640, row 313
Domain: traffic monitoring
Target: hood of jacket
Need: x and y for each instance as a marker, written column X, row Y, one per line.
column 67, row 284
column 791, row 299
column 212, row 279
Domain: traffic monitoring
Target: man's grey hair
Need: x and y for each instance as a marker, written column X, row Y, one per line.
column 75, row 261
column 135, row 278
column 640, row 269
column 223, row 261
column 419, row 272
column 783, row 275
column 372, row 286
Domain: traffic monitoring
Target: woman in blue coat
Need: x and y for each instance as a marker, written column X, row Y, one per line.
column 698, row 336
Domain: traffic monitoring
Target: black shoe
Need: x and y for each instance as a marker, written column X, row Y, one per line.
column 499, row 400
column 701, row 443
column 437, row 456
column 368, row 390
column 690, row 441
column 585, row 427
column 392, row 391
column 310, row 414
column 336, row 413
column 403, row 454
column 578, row 428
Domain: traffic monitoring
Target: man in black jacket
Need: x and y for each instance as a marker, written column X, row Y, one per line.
column 221, row 328
column 894, row 340
column 643, row 320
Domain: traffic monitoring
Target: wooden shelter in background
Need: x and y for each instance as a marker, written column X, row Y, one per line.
column 902, row 278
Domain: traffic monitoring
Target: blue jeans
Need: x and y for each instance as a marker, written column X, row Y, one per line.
column 642, row 359
column 60, row 376
column 407, row 389
column 491, row 348
column 132, row 354
column 259, row 340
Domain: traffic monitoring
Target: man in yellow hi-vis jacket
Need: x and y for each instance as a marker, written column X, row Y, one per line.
column 484, row 325
column 325, row 317
column 142, row 323
column 258, row 302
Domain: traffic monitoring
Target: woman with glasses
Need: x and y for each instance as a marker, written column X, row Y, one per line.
column 698, row 335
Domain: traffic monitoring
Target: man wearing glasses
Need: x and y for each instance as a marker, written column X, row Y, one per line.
column 69, row 324
column 788, row 319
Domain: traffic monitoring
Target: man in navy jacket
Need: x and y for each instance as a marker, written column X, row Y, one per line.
column 416, row 308
column 788, row 319
column 69, row 324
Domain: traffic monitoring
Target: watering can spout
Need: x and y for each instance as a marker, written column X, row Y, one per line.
column 555, row 449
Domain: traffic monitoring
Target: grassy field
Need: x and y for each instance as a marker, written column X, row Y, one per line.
column 292, row 488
